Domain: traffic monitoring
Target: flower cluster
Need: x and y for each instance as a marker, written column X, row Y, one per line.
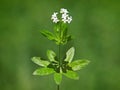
column 65, row 16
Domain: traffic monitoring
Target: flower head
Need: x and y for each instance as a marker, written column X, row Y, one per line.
column 65, row 18
column 54, row 17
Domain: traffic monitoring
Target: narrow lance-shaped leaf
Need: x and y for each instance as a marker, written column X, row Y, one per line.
column 48, row 34
column 64, row 36
column 43, row 71
column 38, row 61
column 71, row 75
column 70, row 54
column 63, row 30
column 57, row 29
column 51, row 55
column 78, row 64
column 58, row 78
column 57, row 33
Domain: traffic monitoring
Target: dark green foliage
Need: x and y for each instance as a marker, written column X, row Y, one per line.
column 67, row 67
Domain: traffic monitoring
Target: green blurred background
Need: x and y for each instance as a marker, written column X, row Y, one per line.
column 96, row 31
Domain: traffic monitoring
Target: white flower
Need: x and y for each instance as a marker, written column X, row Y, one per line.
column 64, row 20
column 64, row 16
column 54, row 17
column 62, row 10
column 69, row 19
column 55, row 20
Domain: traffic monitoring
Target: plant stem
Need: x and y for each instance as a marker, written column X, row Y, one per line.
column 58, row 87
column 59, row 56
column 59, row 60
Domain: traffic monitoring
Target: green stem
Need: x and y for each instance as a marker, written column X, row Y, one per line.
column 59, row 60
column 59, row 56
column 58, row 87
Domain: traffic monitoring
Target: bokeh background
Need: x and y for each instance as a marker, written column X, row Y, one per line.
column 96, row 31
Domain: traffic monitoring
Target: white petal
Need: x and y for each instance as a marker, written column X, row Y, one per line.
column 62, row 10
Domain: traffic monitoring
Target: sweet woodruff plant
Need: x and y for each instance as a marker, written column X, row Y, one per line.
column 54, row 64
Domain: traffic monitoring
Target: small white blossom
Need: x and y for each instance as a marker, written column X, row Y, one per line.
column 64, row 18
column 69, row 19
column 54, row 17
column 62, row 10
column 55, row 20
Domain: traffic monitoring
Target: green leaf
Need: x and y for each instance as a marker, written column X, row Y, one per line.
column 58, row 78
column 57, row 27
column 71, row 75
column 64, row 35
column 78, row 64
column 51, row 55
column 64, row 32
column 60, row 31
column 43, row 71
column 48, row 34
column 38, row 61
column 70, row 54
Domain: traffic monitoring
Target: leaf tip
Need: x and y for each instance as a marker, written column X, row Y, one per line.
column 34, row 73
